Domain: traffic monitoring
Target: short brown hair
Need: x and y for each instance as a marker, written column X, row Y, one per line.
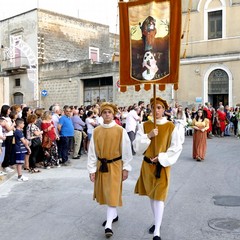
column 31, row 118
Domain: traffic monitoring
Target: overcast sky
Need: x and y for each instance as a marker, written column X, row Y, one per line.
column 101, row 11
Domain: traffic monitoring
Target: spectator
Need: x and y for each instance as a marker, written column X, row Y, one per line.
column 91, row 124
column 34, row 135
column 66, row 131
column 51, row 158
column 21, row 148
column 131, row 124
column 2, row 143
column 78, row 125
column 10, row 127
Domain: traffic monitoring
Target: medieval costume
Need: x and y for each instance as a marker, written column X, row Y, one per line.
column 154, row 176
column 108, row 156
column 200, row 138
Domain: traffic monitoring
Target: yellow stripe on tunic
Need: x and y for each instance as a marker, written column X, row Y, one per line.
column 108, row 185
column 148, row 184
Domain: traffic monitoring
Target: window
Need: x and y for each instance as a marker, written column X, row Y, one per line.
column 218, row 82
column 18, row 98
column 94, row 54
column 17, row 82
column 14, row 41
column 215, row 24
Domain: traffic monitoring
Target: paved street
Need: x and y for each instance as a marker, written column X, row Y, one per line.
column 57, row 204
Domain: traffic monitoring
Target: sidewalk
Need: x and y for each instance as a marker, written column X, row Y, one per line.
column 6, row 177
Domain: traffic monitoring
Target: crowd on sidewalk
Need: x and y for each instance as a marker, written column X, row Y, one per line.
column 54, row 133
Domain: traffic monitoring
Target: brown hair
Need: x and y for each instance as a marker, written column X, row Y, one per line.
column 47, row 115
column 31, row 118
column 39, row 112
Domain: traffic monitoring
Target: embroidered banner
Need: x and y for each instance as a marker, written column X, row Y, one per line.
column 150, row 36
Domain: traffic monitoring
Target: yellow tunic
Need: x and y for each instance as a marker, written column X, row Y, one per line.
column 148, row 184
column 108, row 185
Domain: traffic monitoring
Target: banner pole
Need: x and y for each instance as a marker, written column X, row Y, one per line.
column 154, row 105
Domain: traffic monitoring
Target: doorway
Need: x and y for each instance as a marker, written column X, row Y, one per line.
column 218, row 87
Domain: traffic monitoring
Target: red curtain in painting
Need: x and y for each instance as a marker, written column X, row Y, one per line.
column 150, row 36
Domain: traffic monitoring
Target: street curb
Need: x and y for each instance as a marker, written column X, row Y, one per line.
column 3, row 179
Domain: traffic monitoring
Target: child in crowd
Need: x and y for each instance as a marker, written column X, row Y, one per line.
column 21, row 148
column 2, row 144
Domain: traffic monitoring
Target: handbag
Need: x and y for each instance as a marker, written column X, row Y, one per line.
column 36, row 142
column 47, row 141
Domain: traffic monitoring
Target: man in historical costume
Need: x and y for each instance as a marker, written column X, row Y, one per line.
column 161, row 147
column 108, row 163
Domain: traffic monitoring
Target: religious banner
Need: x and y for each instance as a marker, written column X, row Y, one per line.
column 150, row 36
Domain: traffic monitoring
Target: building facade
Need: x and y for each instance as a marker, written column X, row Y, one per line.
column 209, row 71
column 48, row 57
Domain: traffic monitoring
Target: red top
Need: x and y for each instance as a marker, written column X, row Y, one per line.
column 51, row 132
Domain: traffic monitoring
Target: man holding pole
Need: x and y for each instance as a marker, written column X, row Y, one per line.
column 159, row 142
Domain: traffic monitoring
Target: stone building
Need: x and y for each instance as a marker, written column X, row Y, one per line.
column 210, row 70
column 48, row 57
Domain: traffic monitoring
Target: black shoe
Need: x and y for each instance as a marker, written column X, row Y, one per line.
column 78, row 157
column 151, row 229
column 114, row 220
column 156, row 238
column 108, row 232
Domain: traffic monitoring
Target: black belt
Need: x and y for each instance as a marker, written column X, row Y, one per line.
column 104, row 162
column 159, row 166
column 78, row 130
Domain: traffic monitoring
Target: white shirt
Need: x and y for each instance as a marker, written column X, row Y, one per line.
column 90, row 127
column 126, row 151
column 168, row 158
column 9, row 123
column 55, row 119
column 131, row 121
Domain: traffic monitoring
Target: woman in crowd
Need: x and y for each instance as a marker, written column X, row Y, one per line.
column 180, row 122
column 234, row 121
column 34, row 135
column 39, row 112
column 124, row 114
column 189, row 122
column 49, row 131
column 9, row 126
column 26, row 111
column 238, row 118
column 200, row 125
column 2, row 144
column 91, row 124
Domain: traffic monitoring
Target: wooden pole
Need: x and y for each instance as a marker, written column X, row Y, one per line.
column 154, row 105
column 154, row 117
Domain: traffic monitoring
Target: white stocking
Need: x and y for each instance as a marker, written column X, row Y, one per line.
column 152, row 206
column 111, row 214
column 158, row 215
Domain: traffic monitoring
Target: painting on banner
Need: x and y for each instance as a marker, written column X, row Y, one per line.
column 150, row 35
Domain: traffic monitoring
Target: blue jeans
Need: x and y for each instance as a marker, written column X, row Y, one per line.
column 64, row 147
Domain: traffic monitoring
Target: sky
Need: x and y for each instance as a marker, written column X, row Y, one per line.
column 100, row 11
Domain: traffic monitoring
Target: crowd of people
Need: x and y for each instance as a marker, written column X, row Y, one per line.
column 37, row 138
column 69, row 129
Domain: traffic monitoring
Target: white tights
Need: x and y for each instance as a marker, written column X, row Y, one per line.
column 157, row 208
column 111, row 214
